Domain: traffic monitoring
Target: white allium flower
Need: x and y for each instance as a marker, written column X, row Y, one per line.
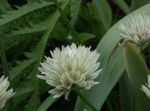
column 146, row 88
column 5, row 94
column 70, row 66
column 137, row 30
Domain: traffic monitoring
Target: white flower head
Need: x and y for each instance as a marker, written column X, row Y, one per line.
column 70, row 66
column 146, row 88
column 5, row 94
column 137, row 30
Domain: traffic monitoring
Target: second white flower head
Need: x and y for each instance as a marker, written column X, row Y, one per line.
column 137, row 30
column 70, row 66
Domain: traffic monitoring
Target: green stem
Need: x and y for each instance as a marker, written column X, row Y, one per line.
column 66, row 20
column 77, row 90
column 47, row 103
column 3, row 58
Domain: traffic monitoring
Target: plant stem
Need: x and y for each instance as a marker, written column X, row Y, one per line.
column 3, row 58
column 77, row 90
column 47, row 103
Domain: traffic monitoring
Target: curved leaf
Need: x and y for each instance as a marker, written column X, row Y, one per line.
column 137, row 74
column 47, row 103
column 111, row 62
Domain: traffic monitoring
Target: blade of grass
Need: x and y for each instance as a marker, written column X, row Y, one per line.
column 137, row 72
column 111, row 62
column 3, row 58
column 47, row 103
column 103, row 6
column 126, row 96
column 75, row 8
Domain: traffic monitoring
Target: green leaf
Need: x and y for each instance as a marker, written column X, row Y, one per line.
column 47, row 103
column 4, row 6
column 112, row 63
column 24, row 10
column 18, row 70
column 32, row 104
column 23, row 92
column 138, row 3
column 75, row 8
column 104, row 12
column 33, row 63
column 126, row 96
column 39, row 50
column 110, row 76
column 3, row 58
column 85, row 36
column 137, row 74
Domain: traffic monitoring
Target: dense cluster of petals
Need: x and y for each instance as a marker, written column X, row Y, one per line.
column 68, row 67
column 137, row 30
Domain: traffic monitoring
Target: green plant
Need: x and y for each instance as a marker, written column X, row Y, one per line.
column 28, row 32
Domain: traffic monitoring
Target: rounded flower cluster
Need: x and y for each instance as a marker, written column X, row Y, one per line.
column 137, row 30
column 5, row 94
column 146, row 88
column 70, row 66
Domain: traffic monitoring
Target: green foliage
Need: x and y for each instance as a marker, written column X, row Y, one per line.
column 104, row 12
column 45, row 105
column 112, row 63
column 122, row 5
column 137, row 74
column 28, row 32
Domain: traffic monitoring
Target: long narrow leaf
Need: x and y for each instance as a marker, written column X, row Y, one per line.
column 110, row 59
column 137, row 74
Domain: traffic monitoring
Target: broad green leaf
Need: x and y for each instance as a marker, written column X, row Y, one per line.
column 112, row 63
column 137, row 74
column 110, row 76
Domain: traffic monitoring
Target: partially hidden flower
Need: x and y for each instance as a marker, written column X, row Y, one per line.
column 137, row 30
column 146, row 88
column 5, row 93
column 68, row 67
